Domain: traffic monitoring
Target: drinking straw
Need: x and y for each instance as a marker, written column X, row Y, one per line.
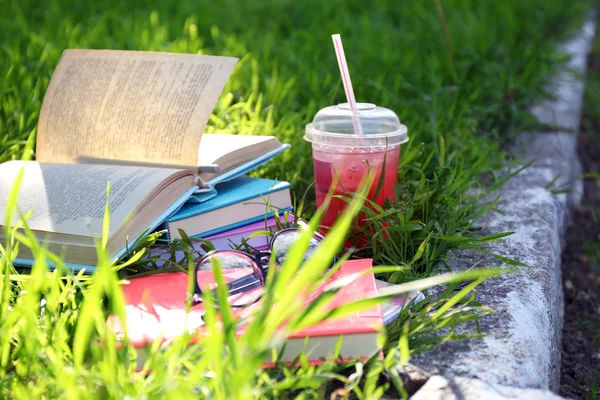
column 341, row 58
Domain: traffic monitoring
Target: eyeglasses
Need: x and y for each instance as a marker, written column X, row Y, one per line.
column 245, row 273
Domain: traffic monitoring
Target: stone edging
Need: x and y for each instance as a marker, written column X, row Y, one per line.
column 523, row 345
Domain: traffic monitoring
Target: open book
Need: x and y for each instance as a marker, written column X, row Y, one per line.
column 134, row 119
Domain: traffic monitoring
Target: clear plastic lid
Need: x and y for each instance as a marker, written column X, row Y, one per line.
column 333, row 126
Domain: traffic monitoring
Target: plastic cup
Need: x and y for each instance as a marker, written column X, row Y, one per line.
column 341, row 156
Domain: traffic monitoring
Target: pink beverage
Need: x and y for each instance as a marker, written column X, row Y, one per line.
column 351, row 169
column 339, row 153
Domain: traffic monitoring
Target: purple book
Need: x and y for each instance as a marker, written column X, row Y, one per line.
column 228, row 239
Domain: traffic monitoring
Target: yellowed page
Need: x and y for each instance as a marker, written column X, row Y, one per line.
column 133, row 106
column 219, row 148
column 70, row 199
column 230, row 151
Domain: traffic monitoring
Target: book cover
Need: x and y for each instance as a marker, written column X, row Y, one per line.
column 156, row 308
column 237, row 202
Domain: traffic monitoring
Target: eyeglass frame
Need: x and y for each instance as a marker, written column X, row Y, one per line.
column 256, row 258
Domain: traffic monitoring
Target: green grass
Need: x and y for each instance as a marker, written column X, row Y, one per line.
column 461, row 94
column 458, row 113
column 56, row 342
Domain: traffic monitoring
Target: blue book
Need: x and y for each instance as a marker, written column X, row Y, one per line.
column 232, row 204
column 81, row 254
column 78, row 249
column 84, row 205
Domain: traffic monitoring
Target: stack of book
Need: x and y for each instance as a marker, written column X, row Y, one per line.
column 239, row 208
column 134, row 121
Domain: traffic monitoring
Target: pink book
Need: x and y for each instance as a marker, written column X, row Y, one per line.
column 392, row 309
column 156, row 308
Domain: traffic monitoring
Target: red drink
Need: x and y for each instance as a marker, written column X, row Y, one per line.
column 343, row 155
column 350, row 170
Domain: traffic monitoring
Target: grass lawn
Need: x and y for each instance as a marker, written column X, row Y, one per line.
column 460, row 74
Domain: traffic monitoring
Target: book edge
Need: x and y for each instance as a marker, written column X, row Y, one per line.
column 175, row 218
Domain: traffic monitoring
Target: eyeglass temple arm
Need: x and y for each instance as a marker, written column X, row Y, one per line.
column 248, row 282
column 241, row 285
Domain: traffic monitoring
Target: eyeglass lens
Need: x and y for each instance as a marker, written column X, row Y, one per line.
column 285, row 240
column 243, row 277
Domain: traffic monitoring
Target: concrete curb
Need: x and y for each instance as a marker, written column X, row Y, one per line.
column 523, row 345
column 439, row 388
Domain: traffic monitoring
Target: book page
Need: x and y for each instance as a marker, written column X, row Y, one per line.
column 71, row 199
column 229, row 151
column 144, row 107
column 219, row 148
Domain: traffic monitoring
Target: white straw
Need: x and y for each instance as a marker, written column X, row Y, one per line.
column 341, row 57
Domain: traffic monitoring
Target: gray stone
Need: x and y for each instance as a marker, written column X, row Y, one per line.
column 413, row 378
column 523, row 342
column 565, row 109
column 440, row 388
